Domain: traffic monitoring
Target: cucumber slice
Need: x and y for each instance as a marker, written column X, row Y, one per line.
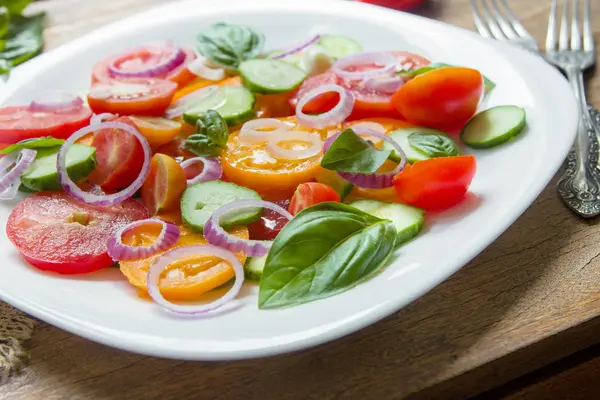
column 408, row 220
column 235, row 104
column 269, row 76
column 494, row 126
column 401, row 135
column 332, row 179
column 253, row 267
column 201, row 200
column 43, row 175
column 339, row 46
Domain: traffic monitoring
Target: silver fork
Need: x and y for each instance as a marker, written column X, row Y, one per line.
column 575, row 52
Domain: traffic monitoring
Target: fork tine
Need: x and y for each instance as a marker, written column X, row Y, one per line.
column 506, row 28
column 479, row 24
column 514, row 21
column 551, row 34
column 563, row 41
column 588, row 34
column 493, row 25
column 575, row 32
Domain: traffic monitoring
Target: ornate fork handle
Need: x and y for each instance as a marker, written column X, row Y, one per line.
column 579, row 187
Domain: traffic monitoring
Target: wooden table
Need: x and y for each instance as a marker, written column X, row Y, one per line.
column 531, row 298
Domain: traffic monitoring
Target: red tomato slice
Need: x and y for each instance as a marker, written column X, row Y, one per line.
column 269, row 225
column 443, row 98
column 319, row 104
column 18, row 123
column 143, row 58
column 55, row 233
column 135, row 96
column 408, row 60
column 311, row 193
column 435, row 184
column 119, row 156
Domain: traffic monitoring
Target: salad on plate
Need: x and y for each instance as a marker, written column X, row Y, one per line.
column 197, row 171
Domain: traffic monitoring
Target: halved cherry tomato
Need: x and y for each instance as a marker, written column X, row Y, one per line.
column 254, row 167
column 187, row 278
column 142, row 58
column 164, row 185
column 270, row 223
column 158, row 131
column 119, row 156
column 19, row 123
column 435, row 184
column 55, row 233
column 443, row 98
column 133, row 97
column 311, row 193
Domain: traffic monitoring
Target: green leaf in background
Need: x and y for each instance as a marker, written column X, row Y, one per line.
column 408, row 74
column 4, row 21
column 433, row 145
column 228, row 45
column 35, row 143
column 24, row 39
column 351, row 153
column 211, row 135
column 325, row 250
column 15, row 7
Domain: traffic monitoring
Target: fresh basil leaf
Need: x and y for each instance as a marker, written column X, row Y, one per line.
column 5, row 68
column 229, row 45
column 211, row 135
column 326, row 249
column 24, row 39
column 35, row 143
column 409, row 74
column 433, row 145
column 15, row 7
column 4, row 21
column 351, row 153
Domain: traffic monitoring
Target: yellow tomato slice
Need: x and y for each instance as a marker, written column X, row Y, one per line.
column 196, row 84
column 187, row 278
column 164, row 185
column 158, row 131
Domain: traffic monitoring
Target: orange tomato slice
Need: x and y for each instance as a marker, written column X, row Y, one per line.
column 164, row 185
column 187, row 278
column 158, row 131
column 196, row 84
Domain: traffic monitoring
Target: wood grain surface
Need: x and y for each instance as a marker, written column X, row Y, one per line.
column 531, row 298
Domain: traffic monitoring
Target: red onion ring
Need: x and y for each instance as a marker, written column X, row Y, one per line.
column 51, row 102
column 23, row 160
column 384, row 84
column 296, row 48
column 119, row 251
column 99, row 118
column 174, row 60
column 336, row 115
column 108, row 199
column 182, row 105
column 170, row 256
column 200, row 67
column 386, row 61
column 217, row 236
column 211, row 171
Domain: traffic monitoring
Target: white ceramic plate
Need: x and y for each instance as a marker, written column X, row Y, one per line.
column 105, row 308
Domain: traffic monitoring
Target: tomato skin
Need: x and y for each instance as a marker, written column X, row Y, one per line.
column 270, row 224
column 45, row 229
column 311, row 193
column 444, row 98
column 435, row 184
column 18, row 123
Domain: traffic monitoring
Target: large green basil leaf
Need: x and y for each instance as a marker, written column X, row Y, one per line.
column 24, row 39
column 351, row 153
column 408, row 74
column 433, row 145
column 326, row 249
column 35, row 143
column 229, row 45
column 211, row 135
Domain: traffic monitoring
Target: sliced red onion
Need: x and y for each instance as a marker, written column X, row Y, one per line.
column 166, row 65
column 119, row 251
column 384, row 84
column 99, row 118
column 211, row 170
column 377, row 180
column 159, row 265
column 107, row 199
column 336, row 115
column 297, row 48
column 183, row 104
column 217, row 236
column 259, row 130
column 386, row 62
column 51, row 102
column 316, row 145
column 21, row 162
column 201, row 67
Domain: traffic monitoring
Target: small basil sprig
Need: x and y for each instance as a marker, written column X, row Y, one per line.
column 351, row 153
column 326, row 249
column 228, row 45
column 409, row 74
column 36, row 143
column 211, row 135
column 23, row 40
column 433, row 145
